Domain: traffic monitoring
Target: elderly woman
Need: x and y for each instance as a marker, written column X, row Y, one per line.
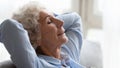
column 36, row 38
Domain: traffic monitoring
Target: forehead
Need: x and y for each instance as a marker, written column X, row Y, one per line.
column 44, row 14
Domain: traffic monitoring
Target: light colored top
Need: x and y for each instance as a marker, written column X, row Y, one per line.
column 23, row 55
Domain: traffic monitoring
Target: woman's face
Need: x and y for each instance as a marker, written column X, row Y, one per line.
column 51, row 29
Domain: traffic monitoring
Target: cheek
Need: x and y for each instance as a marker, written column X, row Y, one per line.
column 49, row 32
column 50, row 37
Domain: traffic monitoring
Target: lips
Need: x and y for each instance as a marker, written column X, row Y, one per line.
column 61, row 31
column 60, row 34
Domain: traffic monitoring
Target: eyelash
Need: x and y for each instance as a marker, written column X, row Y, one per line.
column 49, row 22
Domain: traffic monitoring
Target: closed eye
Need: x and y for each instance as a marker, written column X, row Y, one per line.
column 49, row 22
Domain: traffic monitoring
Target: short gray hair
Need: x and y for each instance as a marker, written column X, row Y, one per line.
column 28, row 16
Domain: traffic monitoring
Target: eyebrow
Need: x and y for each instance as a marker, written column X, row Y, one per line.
column 45, row 17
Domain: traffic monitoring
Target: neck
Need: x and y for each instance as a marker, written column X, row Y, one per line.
column 54, row 52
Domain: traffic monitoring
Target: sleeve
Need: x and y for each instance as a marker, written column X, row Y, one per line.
column 73, row 30
column 16, row 41
column 0, row 37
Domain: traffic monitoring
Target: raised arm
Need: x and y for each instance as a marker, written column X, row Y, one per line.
column 73, row 30
column 16, row 41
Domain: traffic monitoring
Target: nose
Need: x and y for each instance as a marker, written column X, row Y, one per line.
column 58, row 23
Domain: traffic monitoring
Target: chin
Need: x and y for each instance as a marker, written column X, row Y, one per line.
column 65, row 40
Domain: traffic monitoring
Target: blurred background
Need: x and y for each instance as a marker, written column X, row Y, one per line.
column 101, row 27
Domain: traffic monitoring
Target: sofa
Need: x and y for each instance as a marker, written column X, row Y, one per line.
column 91, row 56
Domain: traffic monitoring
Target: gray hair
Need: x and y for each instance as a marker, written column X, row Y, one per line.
column 28, row 16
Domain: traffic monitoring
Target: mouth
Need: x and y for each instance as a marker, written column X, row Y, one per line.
column 61, row 34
